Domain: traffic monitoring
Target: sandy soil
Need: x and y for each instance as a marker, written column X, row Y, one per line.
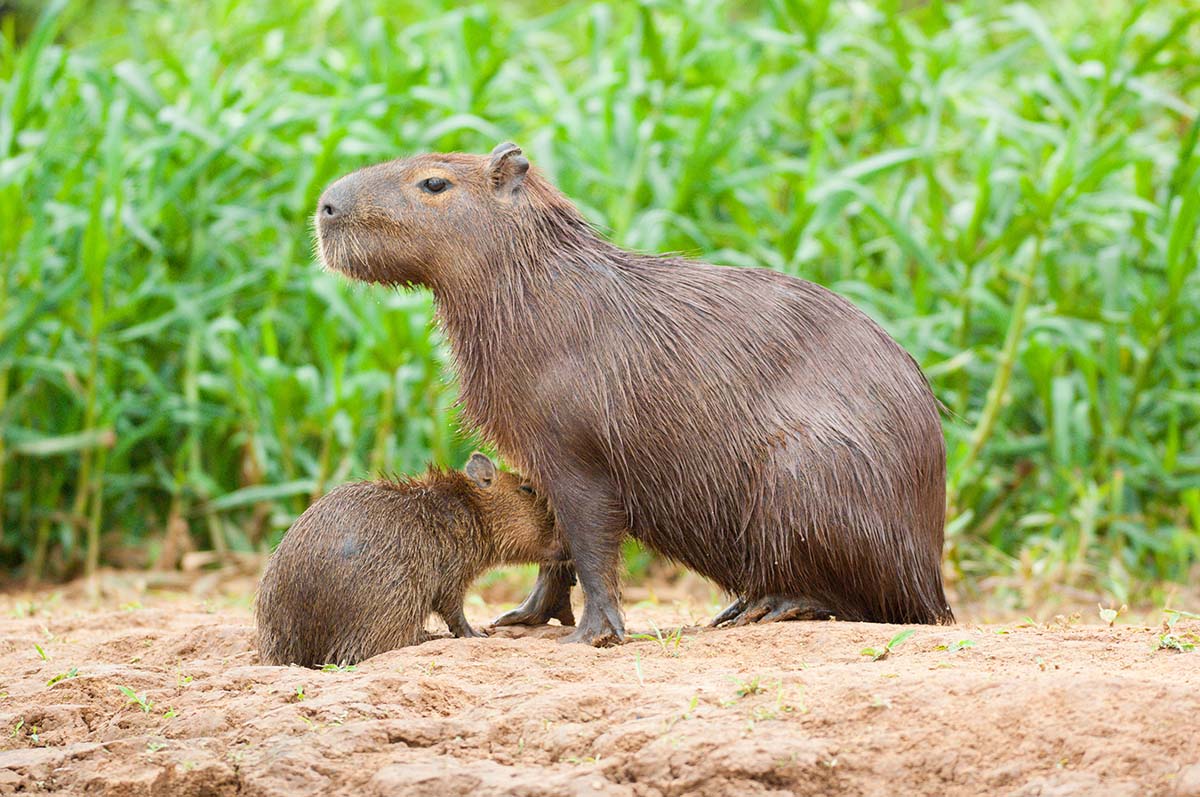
column 1063, row 708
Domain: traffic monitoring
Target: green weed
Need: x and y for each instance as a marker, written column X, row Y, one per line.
column 338, row 668
column 669, row 644
column 953, row 647
column 879, row 654
column 750, row 686
column 62, row 676
column 1169, row 640
column 134, row 697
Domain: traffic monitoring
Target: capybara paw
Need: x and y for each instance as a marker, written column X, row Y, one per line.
column 773, row 609
column 729, row 613
column 538, row 614
column 522, row 616
column 600, row 629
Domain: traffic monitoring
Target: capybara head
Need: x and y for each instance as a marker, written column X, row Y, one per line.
column 409, row 221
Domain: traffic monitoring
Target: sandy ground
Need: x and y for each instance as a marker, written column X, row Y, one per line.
column 1065, row 708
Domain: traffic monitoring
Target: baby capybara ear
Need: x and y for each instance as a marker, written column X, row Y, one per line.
column 481, row 470
column 506, row 168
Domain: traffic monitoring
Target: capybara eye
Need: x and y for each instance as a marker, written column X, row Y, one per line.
column 525, row 488
column 434, row 185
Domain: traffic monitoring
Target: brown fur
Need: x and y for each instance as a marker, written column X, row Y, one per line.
column 361, row 569
column 755, row 427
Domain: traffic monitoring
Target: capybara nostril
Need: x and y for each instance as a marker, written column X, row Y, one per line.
column 336, row 203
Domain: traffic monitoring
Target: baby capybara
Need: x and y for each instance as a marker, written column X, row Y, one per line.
column 360, row 571
column 753, row 426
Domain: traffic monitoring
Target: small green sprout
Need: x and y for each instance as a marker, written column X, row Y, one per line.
column 1175, row 642
column 669, row 644
column 879, row 654
column 1110, row 615
column 1169, row 640
column 141, row 700
column 751, row 686
column 338, row 668
column 62, row 676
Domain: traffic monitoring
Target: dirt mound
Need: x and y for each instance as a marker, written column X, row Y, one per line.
column 170, row 699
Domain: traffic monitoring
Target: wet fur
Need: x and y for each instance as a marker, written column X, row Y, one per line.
column 360, row 571
column 752, row 426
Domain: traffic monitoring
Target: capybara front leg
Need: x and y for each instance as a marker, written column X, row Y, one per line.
column 550, row 599
column 456, row 621
column 593, row 527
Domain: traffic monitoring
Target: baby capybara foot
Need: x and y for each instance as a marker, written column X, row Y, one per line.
column 772, row 608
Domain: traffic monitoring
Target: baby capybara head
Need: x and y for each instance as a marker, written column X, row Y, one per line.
column 408, row 221
column 520, row 523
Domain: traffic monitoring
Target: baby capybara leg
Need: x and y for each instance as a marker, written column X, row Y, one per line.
column 456, row 621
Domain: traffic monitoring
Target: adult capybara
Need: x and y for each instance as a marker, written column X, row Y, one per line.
column 360, row 571
column 753, row 426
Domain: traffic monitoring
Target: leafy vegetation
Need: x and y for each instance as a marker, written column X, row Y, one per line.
column 63, row 676
column 879, row 654
column 1012, row 190
column 141, row 700
column 1169, row 639
column 668, row 643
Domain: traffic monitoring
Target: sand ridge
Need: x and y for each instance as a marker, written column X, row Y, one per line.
column 791, row 708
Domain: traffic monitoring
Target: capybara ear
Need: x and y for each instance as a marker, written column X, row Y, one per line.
column 506, row 168
column 481, row 470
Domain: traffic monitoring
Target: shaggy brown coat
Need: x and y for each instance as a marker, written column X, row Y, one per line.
column 755, row 427
column 360, row 571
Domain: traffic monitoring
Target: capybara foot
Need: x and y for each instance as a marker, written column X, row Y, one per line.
column 538, row 615
column 599, row 628
column 550, row 600
column 729, row 613
column 771, row 609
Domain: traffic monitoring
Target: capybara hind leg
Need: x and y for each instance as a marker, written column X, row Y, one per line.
column 729, row 613
column 776, row 608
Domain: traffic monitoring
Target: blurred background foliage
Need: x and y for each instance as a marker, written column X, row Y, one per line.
column 1012, row 190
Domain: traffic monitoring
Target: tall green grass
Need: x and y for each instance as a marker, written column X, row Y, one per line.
column 1012, row 190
